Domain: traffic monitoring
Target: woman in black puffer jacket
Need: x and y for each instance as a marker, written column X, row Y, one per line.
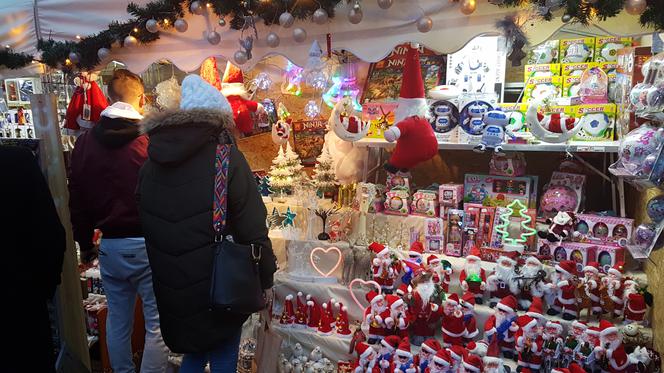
column 176, row 189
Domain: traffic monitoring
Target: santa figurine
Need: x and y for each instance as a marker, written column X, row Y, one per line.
column 529, row 344
column 479, row 348
column 313, row 313
column 531, row 281
column 382, row 268
column 423, row 359
column 366, row 359
column 375, row 316
column 288, row 314
column 300, row 312
column 442, row 272
column 457, row 352
column 501, row 327
column 574, row 337
column 472, row 363
column 591, row 284
column 404, row 292
column 585, row 351
column 536, row 311
column 563, row 286
column 614, row 283
column 493, row 363
column 397, row 322
column 413, row 263
column 611, row 353
column 469, row 321
column 388, row 345
column 416, row 141
column 232, row 87
column 342, row 324
column 635, row 303
column 453, row 327
column 472, row 277
column 502, row 281
column 440, row 363
column 553, row 342
column 422, row 310
column 403, row 358
column 561, row 227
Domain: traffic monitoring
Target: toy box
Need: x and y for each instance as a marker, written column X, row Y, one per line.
column 546, row 52
column 540, row 88
column 490, row 190
column 380, row 117
column 577, row 50
column 564, row 192
column 575, row 69
column 453, row 232
column 597, row 122
column 517, row 114
column 434, row 237
column 425, row 203
column 398, row 180
column 396, row 201
column 606, row 47
column 540, row 71
column 449, row 196
column 444, row 119
column 604, row 229
column 571, row 85
column 608, row 67
column 581, row 253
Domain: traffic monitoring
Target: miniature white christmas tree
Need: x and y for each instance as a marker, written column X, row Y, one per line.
column 281, row 173
column 294, row 163
column 324, row 175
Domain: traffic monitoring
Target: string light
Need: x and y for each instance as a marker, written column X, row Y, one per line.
column 209, row 5
column 78, row 37
column 8, row 46
column 166, row 21
column 67, row 61
column 135, row 29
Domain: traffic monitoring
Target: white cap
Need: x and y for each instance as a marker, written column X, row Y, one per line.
column 199, row 94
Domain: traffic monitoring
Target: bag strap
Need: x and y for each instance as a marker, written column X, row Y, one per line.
column 219, row 214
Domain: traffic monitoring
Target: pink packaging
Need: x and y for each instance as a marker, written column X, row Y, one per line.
column 604, row 229
column 449, row 196
column 425, row 203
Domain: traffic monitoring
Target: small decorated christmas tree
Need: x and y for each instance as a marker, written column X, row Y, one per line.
column 294, row 163
column 324, row 175
column 515, row 244
column 264, row 186
column 281, row 173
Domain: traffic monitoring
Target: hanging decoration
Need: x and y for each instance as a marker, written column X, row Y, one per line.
column 286, row 20
column 272, row 40
column 152, row 25
column 314, row 76
column 213, row 37
column 385, row 4
column 424, row 24
column 299, row 34
column 196, row 8
column 468, row 7
column 343, row 85
column 515, row 37
column 355, row 14
column 292, row 83
column 320, row 16
column 311, row 109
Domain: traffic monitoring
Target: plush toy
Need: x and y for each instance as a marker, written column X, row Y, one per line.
column 553, row 128
column 561, row 227
column 86, row 105
column 412, row 131
column 232, row 87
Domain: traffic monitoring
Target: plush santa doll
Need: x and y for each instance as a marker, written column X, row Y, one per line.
column 493, row 363
column 453, row 327
column 232, row 87
column 341, row 323
column 472, row 363
column 422, row 311
column 404, row 292
column 611, row 352
column 457, row 352
column 564, row 287
column 536, row 311
column 301, row 312
column 288, row 314
column 472, row 277
column 615, row 287
column 412, row 131
column 561, row 227
column 388, row 345
column 553, row 341
column 440, row 363
column 635, row 303
column 313, row 313
column 375, row 316
column 423, row 359
column 397, row 322
column 469, row 320
column 501, row 283
column 403, row 358
column 591, row 283
column 529, row 344
column 366, row 359
column 501, row 326
column 86, row 105
column 585, row 351
column 383, row 270
column 531, row 281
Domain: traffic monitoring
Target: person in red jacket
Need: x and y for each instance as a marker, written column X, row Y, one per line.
column 105, row 165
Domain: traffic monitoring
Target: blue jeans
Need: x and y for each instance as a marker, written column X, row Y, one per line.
column 223, row 359
column 125, row 273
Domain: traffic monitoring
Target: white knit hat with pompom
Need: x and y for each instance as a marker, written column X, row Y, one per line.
column 199, row 94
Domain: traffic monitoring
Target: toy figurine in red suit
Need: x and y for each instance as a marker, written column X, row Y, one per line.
column 232, row 87
column 453, row 327
column 388, row 345
column 536, row 311
column 501, row 283
column 492, row 362
column 553, row 342
column 416, row 141
column 375, row 316
column 403, row 358
column 300, row 312
column 457, row 353
column 469, row 321
column 342, row 324
column 614, row 283
column 397, row 322
column 422, row 311
column 383, row 270
column 530, row 345
column 574, row 337
column 472, row 363
column 585, row 351
column 403, row 292
column 561, row 227
column 611, row 352
column 313, row 313
column 531, row 281
column 288, row 314
column 591, row 283
column 564, row 287
column 501, row 326
column 440, row 363
column 423, row 359
column 635, row 303
column 441, row 273
column 366, row 359
column 413, row 263
column 472, row 277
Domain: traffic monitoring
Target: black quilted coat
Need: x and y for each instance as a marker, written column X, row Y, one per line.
column 175, row 199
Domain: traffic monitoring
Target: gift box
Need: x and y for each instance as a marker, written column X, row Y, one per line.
column 597, row 122
column 396, row 202
column 546, row 52
column 424, row 203
column 434, row 236
column 604, row 229
column 449, row 196
column 490, row 190
column 607, row 47
column 577, row 50
column 540, row 71
column 581, row 253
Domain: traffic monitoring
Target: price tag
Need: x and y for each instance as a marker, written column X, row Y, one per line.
column 591, row 149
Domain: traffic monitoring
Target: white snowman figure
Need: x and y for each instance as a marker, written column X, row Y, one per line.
column 471, row 71
column 475, row 121
column 494, row 132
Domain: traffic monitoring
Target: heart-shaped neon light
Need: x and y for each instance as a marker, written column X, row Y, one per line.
column 332, row 249
column 362, row 282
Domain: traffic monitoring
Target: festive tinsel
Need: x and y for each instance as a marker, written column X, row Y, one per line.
column 13, row 60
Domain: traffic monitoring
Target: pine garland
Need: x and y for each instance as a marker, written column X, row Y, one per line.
column 13, row 60
column 653, row 15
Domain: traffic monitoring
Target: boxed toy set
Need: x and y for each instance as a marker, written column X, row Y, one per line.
column 544, row 53
column 490, row 190
column 540, row 71
column 597, row 122
column 538, row 89
column 606, row 47
column 425, row 203
column 577, row 50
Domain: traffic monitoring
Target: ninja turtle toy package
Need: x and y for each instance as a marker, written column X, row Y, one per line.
column 539, row 89
column 597, row 122
column 606, row 47
column 577, row 50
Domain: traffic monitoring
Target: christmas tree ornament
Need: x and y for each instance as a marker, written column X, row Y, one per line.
column 385, row 4
column 314, row 76
column 152, row 25
column 213, row 37
column 197, row 8
column 272, row 40
column 468, row 7
column 263, row 81
column 424, row 24
column 103, row 53
column 221, row 22
column 247, row 45
column 566, row 18
column 240, row 57
column 320, row 16
column 311, row 109
column 180, row 25
column 74, row 57
column 635, row 7
column 299, row 34
column 515, row 244
column 355, row 15
column 286, row 20
column 130, row 41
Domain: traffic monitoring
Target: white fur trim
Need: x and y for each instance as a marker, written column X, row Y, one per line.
column 470, row 367
column 392, row 134
column 614, row 272
column 447, row 332
column 84, row 123
column 441, row 361
column 408, row 107
column 590, row 269
column 386, row 345
column 616, row 299
column 473, row 334
column 504, row 307
column 397, row 303
column 403, row 353
column 234, row 89
column 299, row 293
column 377, row 298
column 609, row 330
column 119, row 110
column 562, row 283
column 559, row 268
column 289, row 297
column 429, row 349
column 614, row 365
column 366, row 352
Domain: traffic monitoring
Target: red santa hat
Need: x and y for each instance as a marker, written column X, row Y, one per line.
column 528, row 323
column 415, row 268
column 474, row 253
column 288, row 313
column 493, row 350
column 325, row 325
column 479, row 348
column 363, row 350
column 87, row 92
column 636, row 303
column 416, row 249
column 472, row 363
column 373, row 297
column 433, row 259
column 232, row 84
column 468, row 299
column 394, row 301
column 567, row 266
column 342, row 320
column 560, row 370
column 391, row 342
column 453, row 299
column 431, row 345
column 442, row 357
column 508, row 304
column 404, row 348
column 579, row 324
column 402, row 290
column 536, row 308
column 314, row 312
column 591, row 267
column 606, row 328
column 555, row 324
column 575, row 368
column 593, row 330
column 378, row 249
column 618, row 269
column 533, row 260
column 457, row 352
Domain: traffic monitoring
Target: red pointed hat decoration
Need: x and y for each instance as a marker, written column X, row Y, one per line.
column 412, row 85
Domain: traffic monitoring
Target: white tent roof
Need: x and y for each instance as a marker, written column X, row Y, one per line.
column 24, row 21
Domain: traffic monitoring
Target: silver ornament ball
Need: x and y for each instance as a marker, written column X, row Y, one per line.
column 566, row 18
column 103, row 53
column 222, row 22
column 355, row 16
column 635, row 7
column 213, row 37
column 272, row 40
column 181, row 25
column 286, row 20
column 152, row 25
column 385, row 4
column 424, row 24
column 299, row 34
column 197, row 8
column 130, row 41
column 240, row 57
column 320, row 16
column 74, row 57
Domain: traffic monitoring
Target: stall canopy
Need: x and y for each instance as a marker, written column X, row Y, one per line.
column 24, row 22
